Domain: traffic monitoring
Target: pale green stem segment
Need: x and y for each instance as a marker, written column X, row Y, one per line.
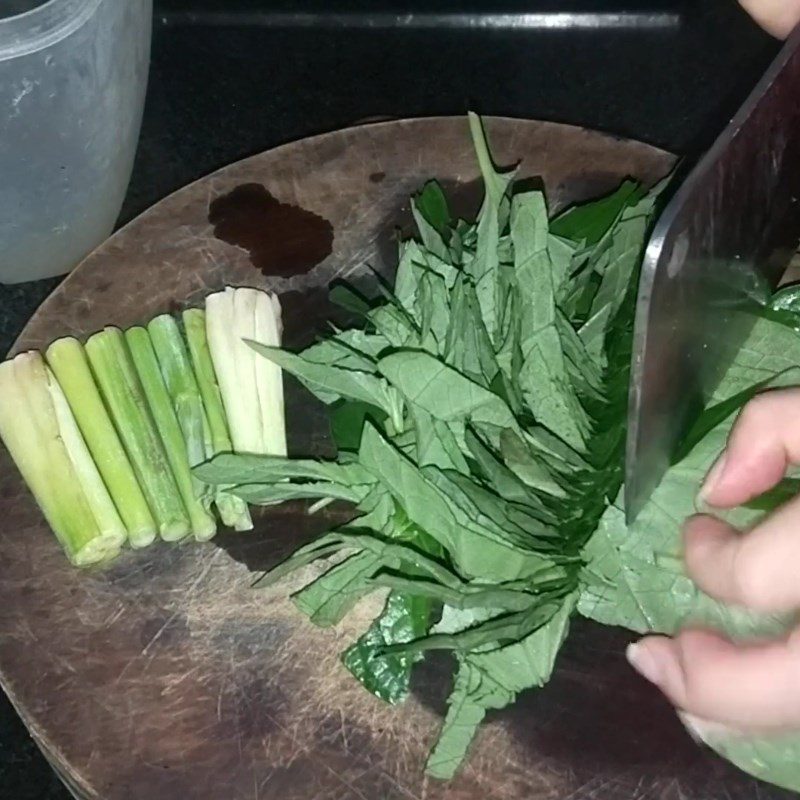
column 29, row 427
column 115, row 373
column 105, row 512
column 194, row 323
column 147, row 367
column 67, row 359
column 251, row 386
column 269, row 376
column 230, row 317
column 176, row 368
column 232, row 509
column 244, row 328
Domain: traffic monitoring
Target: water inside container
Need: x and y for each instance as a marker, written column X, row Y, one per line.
column 10, row 8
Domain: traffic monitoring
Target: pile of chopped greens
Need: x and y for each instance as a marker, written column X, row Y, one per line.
column 480, row 412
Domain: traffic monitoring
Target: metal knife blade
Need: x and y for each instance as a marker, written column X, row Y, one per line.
column 729, row 231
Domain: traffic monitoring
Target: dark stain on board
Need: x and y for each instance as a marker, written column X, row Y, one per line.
column 281, row 238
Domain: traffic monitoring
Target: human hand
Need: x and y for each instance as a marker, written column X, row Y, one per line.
column 712, row 681
column 776, row 16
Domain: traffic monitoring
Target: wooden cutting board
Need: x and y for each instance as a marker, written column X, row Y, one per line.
column 164, row 676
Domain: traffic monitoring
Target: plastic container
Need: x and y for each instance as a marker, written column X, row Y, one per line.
column 73, row 77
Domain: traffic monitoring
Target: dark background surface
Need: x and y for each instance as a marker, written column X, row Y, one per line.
column 230, row 78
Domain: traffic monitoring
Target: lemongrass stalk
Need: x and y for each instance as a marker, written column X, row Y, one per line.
column 232, row 509
column 244, row 329
column 225, row 349
column 105, row 512
column 119, row 385
column 194, row 323
column 147, row 367
column 29, row 429
column 67, row 359
column 176, row 368
column 269, row 376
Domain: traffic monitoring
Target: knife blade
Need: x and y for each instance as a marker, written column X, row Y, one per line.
column 727, row 234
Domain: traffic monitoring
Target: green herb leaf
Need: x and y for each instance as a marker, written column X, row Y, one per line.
column 347, row 422
column 432, row 204
column 787, row 298
column 589, row 222
column 713, row 417
column 493, row 680
column 769, row 758
column 785, row 491
column 243, row 468
column 441, row 391
column 432, row 217
column 544, row 379
column 512, row 627
column 264, row 494
column 483, row 267
column 331, row 596
column 404, row 618
column 436, row 443
column 349, row 299
column 331, row 383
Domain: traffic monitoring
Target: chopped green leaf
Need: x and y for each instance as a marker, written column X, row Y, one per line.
column 404, row 618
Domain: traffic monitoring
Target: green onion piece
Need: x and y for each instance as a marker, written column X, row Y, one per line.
column 232, row 509
column 147, row 367
column 119, row 385
column 269, row 376
column 67, row 359
column 30, row 430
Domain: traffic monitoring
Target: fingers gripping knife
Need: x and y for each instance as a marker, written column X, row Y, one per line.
column 731, row 227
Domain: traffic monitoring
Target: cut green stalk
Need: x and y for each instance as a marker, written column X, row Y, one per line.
column 232, row 509
column 251, row 386
column 113, row 368
column 67, row 359
column 176, row 369
column 194, row 321
column 225, row 350
column 244, row 329
column 29, row 427
column 269, row 376
column 105, row 512
column 147, row 366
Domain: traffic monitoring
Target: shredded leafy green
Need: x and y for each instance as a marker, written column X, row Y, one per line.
column 479, row 413
column 479, row 410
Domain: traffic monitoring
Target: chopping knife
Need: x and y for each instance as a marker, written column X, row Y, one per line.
column 728, row 233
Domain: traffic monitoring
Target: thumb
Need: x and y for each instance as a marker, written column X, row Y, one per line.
column 751, row 687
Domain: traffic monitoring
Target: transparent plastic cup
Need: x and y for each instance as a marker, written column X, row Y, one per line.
column 73, row 77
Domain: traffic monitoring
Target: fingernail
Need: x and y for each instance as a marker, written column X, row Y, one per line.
column 695, row 727
column 642, row 660
column 703, row 730
column 712, row 480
